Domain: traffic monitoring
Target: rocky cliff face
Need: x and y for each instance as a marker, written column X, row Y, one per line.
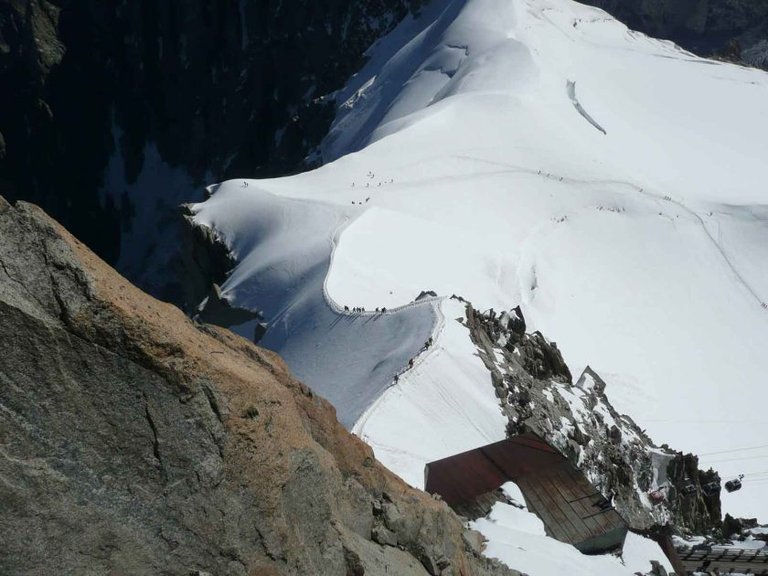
column 136, row 441
column 538, row 394
column 112, row 114
column 736, row 30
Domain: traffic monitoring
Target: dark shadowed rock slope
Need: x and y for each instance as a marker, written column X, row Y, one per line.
column 735, row 30
column 212, row 89
column 134, row 441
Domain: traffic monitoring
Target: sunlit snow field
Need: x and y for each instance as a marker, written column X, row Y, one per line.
column 535, row 153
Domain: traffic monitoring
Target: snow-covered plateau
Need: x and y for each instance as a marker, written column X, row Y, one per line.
column 534, row 153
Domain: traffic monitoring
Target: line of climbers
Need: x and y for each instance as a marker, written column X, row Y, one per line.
column 427, row 344
column 411, row 362
column 361, row 309
column 370, row 175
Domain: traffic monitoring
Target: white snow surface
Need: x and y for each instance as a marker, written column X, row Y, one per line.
column 284, row 249
column 460, row 163
column 517, row 538
column 443, row 406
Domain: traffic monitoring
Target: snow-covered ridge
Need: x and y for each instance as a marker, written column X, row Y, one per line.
column 284, row 249
column 639, row 250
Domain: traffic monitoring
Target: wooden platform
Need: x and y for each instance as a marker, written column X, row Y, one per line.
column 572, row 510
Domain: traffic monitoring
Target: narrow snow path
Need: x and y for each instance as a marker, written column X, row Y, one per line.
column 444, row 405
column 512, row 169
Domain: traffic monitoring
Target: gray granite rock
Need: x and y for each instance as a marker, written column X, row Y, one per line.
column 136, row 441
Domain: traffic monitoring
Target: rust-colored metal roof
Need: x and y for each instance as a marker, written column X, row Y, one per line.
column 571, row 509
column 464, row 476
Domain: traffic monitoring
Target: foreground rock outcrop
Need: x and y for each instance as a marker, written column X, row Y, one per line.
column 135, row 441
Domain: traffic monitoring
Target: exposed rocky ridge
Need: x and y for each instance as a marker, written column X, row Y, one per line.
column 735, row 30
column 217, row 89
column 136, row 441
column 205, row 261
column 538, row 394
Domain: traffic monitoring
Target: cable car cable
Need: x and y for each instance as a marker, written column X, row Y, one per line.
column 739, row 459
column 733, row 450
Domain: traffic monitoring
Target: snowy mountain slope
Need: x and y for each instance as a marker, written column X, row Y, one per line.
column 284, row 248
column 470, row 155
column 438, row 408
column 442, row 407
